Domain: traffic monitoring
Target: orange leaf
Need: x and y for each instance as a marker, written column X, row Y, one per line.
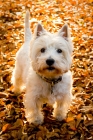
column 5, row 127
column 2, row 113
column 69, row 119
column 79, row 116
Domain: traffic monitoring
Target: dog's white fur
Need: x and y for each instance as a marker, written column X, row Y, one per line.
column 31, row 67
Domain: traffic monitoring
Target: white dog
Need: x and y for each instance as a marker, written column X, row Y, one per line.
column 42, row 65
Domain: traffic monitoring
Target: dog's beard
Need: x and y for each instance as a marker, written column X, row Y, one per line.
column 50, row 71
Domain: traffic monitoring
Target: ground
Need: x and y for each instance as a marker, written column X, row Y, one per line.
column 78, row 14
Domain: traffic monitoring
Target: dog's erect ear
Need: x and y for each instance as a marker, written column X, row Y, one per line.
column 39, row 30
column 64, row 31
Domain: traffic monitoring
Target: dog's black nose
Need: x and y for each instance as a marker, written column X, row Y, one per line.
column 50, row 61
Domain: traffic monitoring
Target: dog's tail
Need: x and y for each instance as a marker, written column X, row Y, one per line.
column 28, row 34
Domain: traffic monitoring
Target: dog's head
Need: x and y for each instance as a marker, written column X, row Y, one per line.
column 51, row 53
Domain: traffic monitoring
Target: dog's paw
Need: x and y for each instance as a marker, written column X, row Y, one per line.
column 59, row 116
column 36, row 119
column 16, row 91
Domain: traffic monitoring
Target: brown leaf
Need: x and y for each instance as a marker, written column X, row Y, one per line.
column 88, row 123
column 3, row 95
column 19, row 122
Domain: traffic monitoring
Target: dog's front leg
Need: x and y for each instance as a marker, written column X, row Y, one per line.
column 61, row 108
column 33, row 107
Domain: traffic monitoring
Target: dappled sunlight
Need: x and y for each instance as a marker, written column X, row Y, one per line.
column 78, row 14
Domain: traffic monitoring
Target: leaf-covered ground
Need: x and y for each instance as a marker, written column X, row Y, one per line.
column 78, row 14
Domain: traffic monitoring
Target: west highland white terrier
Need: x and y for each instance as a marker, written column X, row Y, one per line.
column 42, row 65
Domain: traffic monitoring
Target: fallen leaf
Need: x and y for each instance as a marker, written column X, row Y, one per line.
column 5, row 127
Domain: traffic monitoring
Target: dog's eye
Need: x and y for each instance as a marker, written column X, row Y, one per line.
column 42, row 50
column 59, row 50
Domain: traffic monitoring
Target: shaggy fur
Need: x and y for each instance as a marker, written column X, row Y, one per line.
column 44, row 56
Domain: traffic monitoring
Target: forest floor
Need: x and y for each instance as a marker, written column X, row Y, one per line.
column 53, row 14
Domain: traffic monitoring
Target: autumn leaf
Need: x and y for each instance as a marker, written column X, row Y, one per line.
column 5, row 127
column 78, row 123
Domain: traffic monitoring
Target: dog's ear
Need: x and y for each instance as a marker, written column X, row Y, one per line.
column 39, row 30
column 64, row 31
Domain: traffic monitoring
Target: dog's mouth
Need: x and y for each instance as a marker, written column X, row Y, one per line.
column 50, row 68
